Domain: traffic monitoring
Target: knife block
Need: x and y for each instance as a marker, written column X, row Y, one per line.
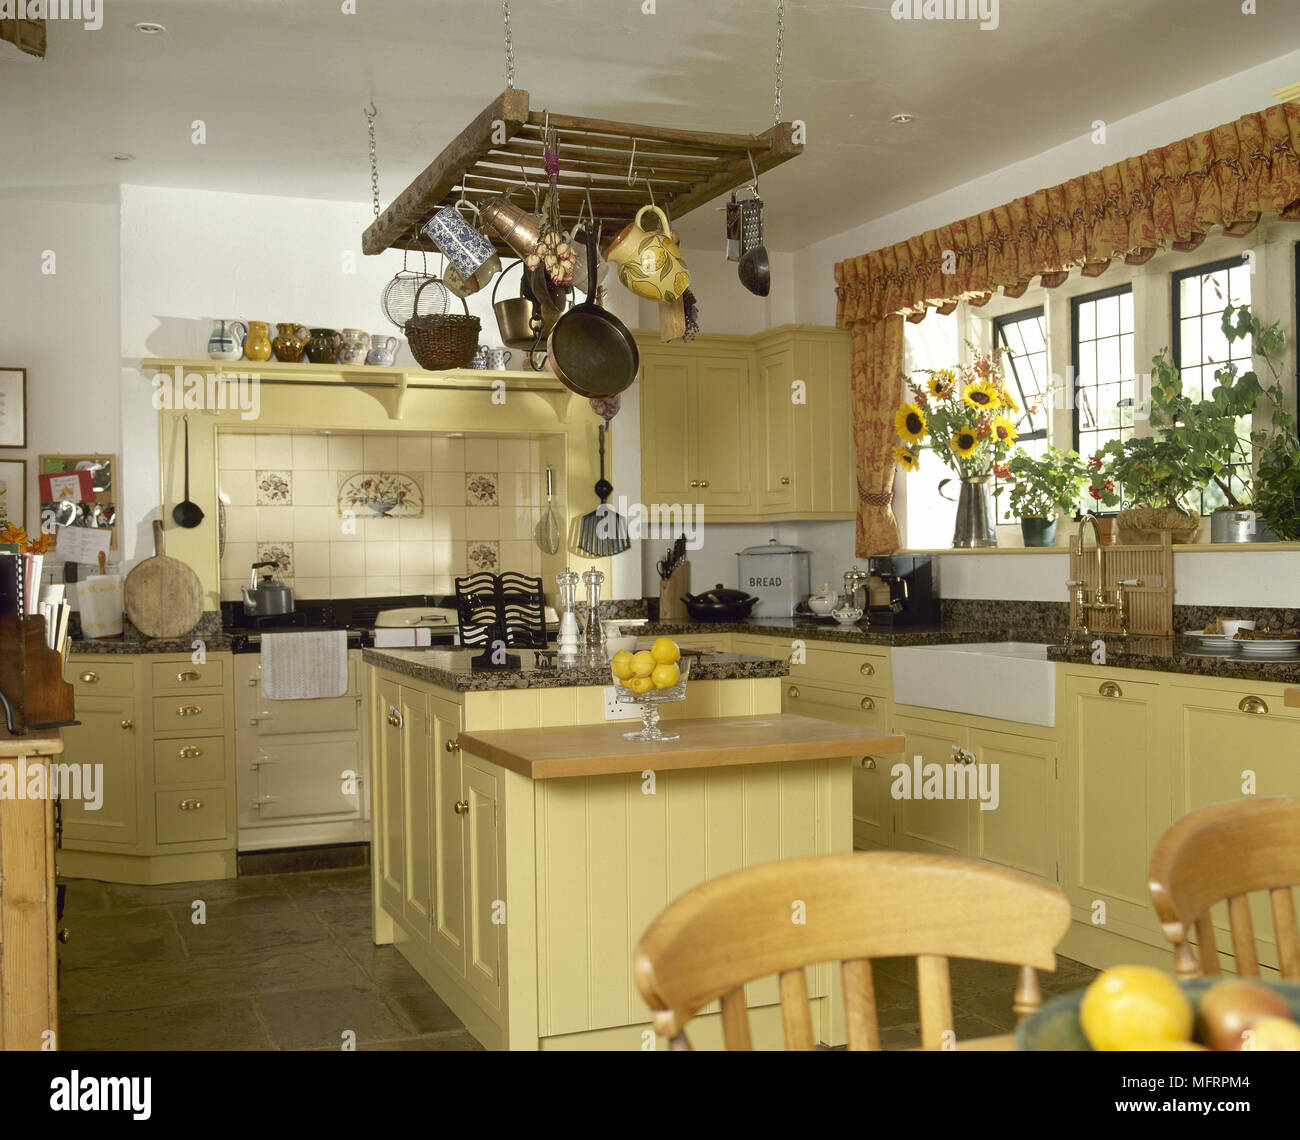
column 31, row 677
column 672, row 590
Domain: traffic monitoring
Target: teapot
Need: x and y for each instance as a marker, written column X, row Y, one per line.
column 267, row 597
column 823, row 601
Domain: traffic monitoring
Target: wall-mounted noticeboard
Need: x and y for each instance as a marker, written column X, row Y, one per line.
column 69, row 498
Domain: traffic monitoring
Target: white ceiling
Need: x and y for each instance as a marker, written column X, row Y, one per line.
column 281, row 85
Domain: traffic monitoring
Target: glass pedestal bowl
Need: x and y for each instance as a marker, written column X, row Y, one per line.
column 649, row 703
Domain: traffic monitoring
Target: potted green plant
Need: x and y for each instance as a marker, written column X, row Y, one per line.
column 1207, row 431
column 1043, row 488
column 1156, row 478
column 1277, row 487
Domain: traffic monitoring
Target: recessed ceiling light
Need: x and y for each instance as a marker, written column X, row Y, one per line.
column 903, row 118
column 122, row 156
column 149, row 28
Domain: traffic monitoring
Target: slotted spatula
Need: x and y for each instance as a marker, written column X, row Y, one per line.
column 602, row 533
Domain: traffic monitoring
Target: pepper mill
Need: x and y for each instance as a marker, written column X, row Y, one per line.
column 569, row 645
column 593, row 630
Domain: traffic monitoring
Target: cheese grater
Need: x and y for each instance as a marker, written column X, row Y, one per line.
column 751, row 231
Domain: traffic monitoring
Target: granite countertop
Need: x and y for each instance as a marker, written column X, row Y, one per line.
column 1175, row 655
column 813, row 630
column 134, row 642
column 451, row 669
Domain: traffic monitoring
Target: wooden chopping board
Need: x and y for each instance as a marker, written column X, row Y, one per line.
column 163, row 596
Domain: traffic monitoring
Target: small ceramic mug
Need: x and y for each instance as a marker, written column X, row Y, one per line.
column 464, row 287
column 383, row 349
column 649, row 262
column 461, row 243
column 353, row 348
column 498, row 358
column 480, row 358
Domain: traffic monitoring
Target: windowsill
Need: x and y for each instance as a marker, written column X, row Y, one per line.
column 1192, row 548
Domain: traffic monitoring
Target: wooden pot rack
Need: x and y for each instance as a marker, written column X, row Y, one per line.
column 503, row 148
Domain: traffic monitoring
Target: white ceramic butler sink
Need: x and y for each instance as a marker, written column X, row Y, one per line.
column 1007, row 680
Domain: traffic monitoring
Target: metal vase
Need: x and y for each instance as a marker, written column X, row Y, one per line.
column 974, row 515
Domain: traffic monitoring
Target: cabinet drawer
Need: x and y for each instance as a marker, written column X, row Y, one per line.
column 798, row 696
column 179, row 675
column 91, row 677
column 188, row 713
column 868, row 671
column 190, row 816
column 183, row 759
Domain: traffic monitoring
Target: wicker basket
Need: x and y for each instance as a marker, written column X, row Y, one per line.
column 441, row 342
column 1143, row 526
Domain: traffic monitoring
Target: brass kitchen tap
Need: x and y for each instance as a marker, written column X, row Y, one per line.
column 1119, row 603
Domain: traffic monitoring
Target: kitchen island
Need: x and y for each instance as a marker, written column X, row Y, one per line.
column 522, row 845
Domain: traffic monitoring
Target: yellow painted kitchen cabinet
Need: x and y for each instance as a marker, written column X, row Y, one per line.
column 448, row 821
column 417, row 773
column 1115, row 798
column 159, row 725
column 386, row 766
column 803, row 442
column 932, row 826
column 1020, row 832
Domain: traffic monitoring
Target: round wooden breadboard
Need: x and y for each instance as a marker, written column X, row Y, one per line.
column 163, row 596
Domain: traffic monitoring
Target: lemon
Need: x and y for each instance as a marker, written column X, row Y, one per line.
column 665, row 676
column 1134, row 1007
column 643, row 664
column 628, row 682
column 665, row 651
column 621, row 664
column 642, row 684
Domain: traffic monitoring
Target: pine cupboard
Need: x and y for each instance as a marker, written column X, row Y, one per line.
column 751, row 428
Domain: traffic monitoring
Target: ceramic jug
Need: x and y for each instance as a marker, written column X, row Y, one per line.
column 383, row 349
column 460, row 242
column 257, row 345
column 289, row 341
column 649, row 262
column 353, row 348
column 224, row 343
column 322, row 345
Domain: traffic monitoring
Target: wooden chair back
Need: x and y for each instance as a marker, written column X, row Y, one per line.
column 1222, row 853
column 780, row 917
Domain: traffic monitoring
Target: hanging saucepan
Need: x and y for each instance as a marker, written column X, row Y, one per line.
column 591, row 350
column 514, row 316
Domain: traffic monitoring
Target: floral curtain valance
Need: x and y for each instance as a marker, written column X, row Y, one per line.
column 1170, row 196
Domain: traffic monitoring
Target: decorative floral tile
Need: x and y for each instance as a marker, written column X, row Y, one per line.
column 483, row 556
column 481, row 489
column 274, row 488
column 281, row 552
column 381, row 494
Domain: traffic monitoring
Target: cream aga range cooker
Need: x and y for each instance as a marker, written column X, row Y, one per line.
column 290, row 756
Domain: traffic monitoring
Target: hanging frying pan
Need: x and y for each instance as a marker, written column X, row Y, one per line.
column 591, row 350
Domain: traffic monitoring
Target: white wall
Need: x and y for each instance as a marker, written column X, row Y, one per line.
column 63, row 327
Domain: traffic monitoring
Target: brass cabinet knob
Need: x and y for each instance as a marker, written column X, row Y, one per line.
column 128, row 724
column 962, row 756
column 695, row 482
column 785, row 480
column 188, row 710
column 869, row 763
column 462, row 806
column 867, row 704
column 89, row 677
column 190, row 752
column 1110, row 689
column 64, row 935
column 190, row 805
column 704, row 482
column 188, row 675
column 452, row 745
column 394, row 717
column 867, row 669
column 793, row 690
column 1253, row 705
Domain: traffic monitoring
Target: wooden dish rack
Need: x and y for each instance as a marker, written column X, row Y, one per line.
column 1150, row 603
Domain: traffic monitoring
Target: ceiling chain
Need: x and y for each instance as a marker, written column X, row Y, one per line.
column 371, row 112
column 510, row 45
column 780, row 51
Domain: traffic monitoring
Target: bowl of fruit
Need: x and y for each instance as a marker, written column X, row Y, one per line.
column 1145, row 1009
column 650, row 678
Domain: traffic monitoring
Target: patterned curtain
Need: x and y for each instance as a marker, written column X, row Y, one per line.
column 1172, row 196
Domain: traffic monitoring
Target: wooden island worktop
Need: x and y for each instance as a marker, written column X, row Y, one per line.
column 522, row 846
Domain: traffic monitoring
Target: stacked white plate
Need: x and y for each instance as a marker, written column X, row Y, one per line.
column 1214, row 644
column 1272, row 650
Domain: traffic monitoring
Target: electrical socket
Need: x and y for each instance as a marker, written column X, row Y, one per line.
column 619, row 710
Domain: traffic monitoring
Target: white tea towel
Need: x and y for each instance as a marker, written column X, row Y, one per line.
column 304, row 666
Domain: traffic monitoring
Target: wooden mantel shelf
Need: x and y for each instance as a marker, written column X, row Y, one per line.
column 705, row 742
column 391, row 382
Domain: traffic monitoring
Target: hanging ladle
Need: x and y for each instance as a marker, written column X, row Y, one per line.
column 187, row 514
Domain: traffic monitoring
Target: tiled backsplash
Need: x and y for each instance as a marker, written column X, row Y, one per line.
column 370, row 513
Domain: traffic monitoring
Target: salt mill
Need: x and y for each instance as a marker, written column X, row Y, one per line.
column 569, row 645
column 593, row 630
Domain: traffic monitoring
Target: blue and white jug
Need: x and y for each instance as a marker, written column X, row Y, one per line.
column 224, row 343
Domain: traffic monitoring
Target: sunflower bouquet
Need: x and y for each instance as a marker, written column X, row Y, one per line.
column 966, row 413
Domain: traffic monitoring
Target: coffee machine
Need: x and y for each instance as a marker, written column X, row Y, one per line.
column 902, row 590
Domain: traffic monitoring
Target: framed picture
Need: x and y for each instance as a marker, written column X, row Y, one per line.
column 13, row 407
column 13, row 491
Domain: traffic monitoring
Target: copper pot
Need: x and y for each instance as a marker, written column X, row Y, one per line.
column 516, row 227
